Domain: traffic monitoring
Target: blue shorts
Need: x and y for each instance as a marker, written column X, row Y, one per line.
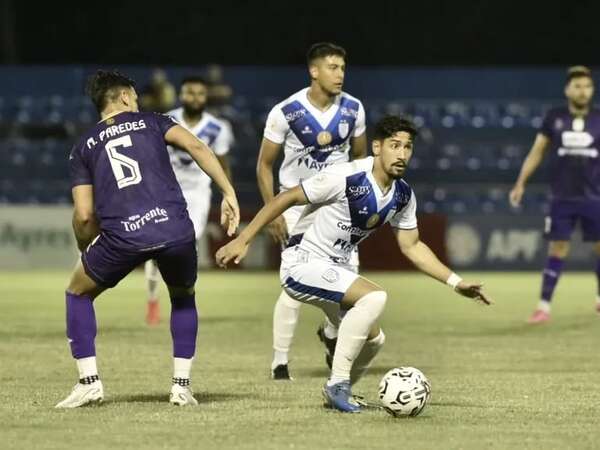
column 107, row 265
column 566, row 214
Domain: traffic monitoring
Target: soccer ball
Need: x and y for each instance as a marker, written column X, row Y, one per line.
column 404, row 391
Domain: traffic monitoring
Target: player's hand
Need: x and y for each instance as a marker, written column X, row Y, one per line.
column 230, row 214
column 474, row 291
column 278, row 230
column 516, row 194
column 235, row 250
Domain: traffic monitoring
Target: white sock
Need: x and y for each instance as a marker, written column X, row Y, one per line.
column 152, row 279
column 366, row 356
column 182, row 367
column 544, row 306
column 330, row 330
column 87, row 367
column 353, row 333
column 285, row 319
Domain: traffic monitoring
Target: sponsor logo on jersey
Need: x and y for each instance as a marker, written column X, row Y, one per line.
column 134, row 223
column 357, row 191
column 363, row 211
column 307, row 130
column 579, row 139
column 348, row 112
column 353, row 230
column 294, row 115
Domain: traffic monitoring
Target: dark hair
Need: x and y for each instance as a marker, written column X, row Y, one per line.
column 193, row 79
column 101, row 87
column 390, row 125
column 323, row 49
column 578, row 72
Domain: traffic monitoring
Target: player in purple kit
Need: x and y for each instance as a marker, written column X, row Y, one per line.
column 128, row 208
column 570, row 134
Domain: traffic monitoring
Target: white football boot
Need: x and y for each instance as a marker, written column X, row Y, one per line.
column 182, row 395
column 83, row 394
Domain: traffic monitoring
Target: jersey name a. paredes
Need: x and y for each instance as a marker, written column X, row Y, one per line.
column 345, row 206
column 213, row 132
column 137, row 199
column 313, row 139
column 574, row 154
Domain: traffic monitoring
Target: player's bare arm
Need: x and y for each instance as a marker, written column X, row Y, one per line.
column 269, row 151
column 359, row 146
column 85, row 224
column 426, row 261
column 236, row 249
column 531, row 163
column 224, row 161
column 208, row 162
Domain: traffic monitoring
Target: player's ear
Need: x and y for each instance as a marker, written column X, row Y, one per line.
column 313, row 71
column 376, row 147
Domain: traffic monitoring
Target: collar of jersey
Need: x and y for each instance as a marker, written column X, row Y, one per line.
column 111, row 115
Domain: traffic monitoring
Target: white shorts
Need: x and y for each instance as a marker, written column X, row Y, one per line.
column 198, row 206
column 315, row 281
column 291, row 216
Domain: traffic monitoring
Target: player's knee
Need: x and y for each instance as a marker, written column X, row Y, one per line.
column 559, row 249
column 178, row 291
column 373, row 302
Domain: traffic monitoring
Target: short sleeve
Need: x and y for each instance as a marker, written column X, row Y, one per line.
column 324, row 187
column 546, row 128
column 276, row 126
column 224, row 140
column 361, row 121
column 164, row 122
column 78, row 170
column 406, row 218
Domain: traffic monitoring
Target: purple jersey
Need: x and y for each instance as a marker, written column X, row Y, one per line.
column 138, row 201
column 574, row 157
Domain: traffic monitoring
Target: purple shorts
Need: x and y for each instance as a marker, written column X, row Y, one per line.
column 107, row 265
column 564, row 216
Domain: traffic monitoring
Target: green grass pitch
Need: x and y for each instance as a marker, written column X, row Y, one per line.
column 497, row 383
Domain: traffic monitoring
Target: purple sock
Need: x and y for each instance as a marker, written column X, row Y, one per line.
column 598, row 275
column 551, row 275
column 184, row 326
column 81, row 325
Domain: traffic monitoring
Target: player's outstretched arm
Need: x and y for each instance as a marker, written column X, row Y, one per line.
column 269, row 151
column 85, row 224
column 531, row 163
column 208, row 162
column 237, row 249
column 426, row 261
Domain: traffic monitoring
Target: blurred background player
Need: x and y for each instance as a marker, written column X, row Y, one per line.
column 159, row 95
column 316, row 127
column 346, row 203
column 572, row 134
column 195, row 184
column 128, row 207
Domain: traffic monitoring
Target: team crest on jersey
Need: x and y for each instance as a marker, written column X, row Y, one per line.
column 110, row 121
column 373, row 221
column 324, row 138
column 343, row 129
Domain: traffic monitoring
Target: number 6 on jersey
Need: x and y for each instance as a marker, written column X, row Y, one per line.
column 119, row 161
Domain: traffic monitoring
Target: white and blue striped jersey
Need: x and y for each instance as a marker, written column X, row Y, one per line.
column 345, row 206
column 215, row 133
column 312, row 139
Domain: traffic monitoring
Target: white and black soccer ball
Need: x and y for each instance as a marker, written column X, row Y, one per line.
column 404, row 391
